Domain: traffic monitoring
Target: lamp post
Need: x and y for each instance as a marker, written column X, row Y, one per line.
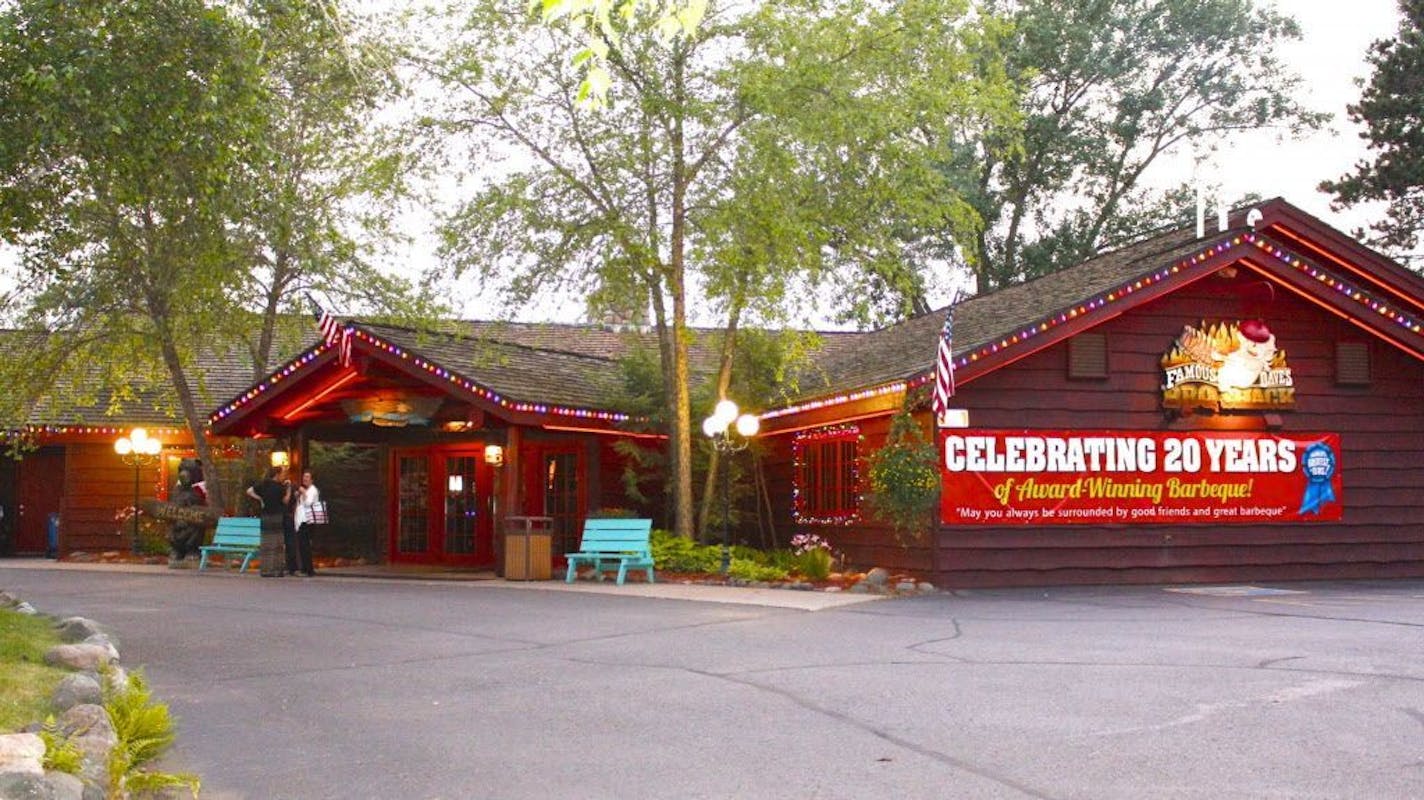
column 720, row 428
column 138, row 451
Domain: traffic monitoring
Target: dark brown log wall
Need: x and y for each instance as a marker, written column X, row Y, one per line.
column 97, row 485
column 1381, row 428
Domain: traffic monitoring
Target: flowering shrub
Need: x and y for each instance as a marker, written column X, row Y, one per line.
column 814, row 556
column 904, row 479
column 152, row 533
column 804, row 542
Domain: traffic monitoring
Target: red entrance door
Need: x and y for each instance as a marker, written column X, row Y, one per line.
column 41, row 493
column 442, row 507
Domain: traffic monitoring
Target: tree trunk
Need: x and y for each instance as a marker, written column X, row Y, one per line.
column 724, row 380
column 197, row 423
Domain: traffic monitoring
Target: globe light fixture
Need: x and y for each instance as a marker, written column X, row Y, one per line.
column 137, row 450
column 730, row 432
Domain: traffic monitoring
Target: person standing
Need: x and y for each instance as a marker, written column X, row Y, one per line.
column 272, row 494
column 307, row 498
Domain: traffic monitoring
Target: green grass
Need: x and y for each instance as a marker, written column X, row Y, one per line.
column 26, row 682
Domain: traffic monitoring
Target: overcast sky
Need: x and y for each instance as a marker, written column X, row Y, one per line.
column 1331, row 59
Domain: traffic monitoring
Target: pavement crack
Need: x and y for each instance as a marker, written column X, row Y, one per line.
column 1271, row 662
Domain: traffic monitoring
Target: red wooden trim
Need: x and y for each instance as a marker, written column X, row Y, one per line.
column 228, row 422
column 1327, row 242
column 1330, row 300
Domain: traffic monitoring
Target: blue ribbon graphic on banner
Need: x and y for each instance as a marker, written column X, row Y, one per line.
column 1318, row 464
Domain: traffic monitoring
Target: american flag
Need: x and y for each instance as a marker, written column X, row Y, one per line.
column 944, row 365
column 333, row 332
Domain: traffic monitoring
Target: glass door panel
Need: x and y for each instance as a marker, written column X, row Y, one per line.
column 561, row 494
column 462, row 506
column 412, row 505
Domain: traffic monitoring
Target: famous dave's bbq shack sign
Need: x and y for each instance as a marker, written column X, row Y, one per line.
column 1227, row 366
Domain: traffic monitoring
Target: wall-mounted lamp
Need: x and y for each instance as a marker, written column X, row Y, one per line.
column 456, row 484
column 494, row 455
column 281, row 458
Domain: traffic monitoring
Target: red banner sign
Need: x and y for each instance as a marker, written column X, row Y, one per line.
column 1130, row 477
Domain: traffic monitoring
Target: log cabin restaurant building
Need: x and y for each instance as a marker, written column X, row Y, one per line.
column 1244, row 405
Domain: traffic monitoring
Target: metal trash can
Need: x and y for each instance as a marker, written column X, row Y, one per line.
column 52, row 536
column 528, row 548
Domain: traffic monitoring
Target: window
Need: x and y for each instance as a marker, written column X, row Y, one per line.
column 827, row 476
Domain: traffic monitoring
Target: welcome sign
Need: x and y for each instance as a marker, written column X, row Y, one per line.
column 1031, row 477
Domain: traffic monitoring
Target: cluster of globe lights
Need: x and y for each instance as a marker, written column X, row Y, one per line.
column 724, row 416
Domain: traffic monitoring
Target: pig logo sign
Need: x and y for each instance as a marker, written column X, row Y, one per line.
column 1227, row 366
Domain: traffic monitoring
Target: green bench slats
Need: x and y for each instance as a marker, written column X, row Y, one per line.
column 234, row 535
column 613, row 541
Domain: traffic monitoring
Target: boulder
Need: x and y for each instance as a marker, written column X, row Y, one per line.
column 7, row 600
column 24, row 786
column 905, row 586
column 90, row 731
column 102, row 640
column 80, row 656
column 76, row 690
column 877, row 577
column 77, row 629
column 21, row 753
column 926, row 587
column 63, row 786
column 26, row 609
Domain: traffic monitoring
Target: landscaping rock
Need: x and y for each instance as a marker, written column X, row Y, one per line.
column 21, row 753
column 77, row 629
column 926, row 587
column 80, row 656
column 102, row 640
column 24, row 786
column 860, row 588
column 801, row 586
column 7, row 600
column 905, row 586
column 877, row 577
column 118, row 679
column 77, row 690
column 26, row 609
column 90, row 731
column 64, row 786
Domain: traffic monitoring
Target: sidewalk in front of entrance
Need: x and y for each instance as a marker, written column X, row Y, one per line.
column 737, row 595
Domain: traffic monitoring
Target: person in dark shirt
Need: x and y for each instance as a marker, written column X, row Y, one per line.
column 273, row 493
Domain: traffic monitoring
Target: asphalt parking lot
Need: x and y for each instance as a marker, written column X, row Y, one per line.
column 350, row 688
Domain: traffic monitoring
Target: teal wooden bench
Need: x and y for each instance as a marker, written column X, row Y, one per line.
column 607, row 542
column 234, row 535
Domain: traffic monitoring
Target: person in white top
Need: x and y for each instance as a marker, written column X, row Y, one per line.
column 307, row 496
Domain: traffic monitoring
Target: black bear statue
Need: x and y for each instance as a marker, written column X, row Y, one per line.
column 186, row 534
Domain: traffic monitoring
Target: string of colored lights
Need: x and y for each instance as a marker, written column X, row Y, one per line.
column 799, row 443
column 1354, row 293
column 1114, row 295
column 90, row 430
column 431, row 367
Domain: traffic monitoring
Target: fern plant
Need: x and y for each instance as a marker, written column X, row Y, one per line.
column 60, row 753
column 145, row 730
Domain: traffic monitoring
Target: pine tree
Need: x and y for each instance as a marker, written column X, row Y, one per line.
column 1392, row 111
